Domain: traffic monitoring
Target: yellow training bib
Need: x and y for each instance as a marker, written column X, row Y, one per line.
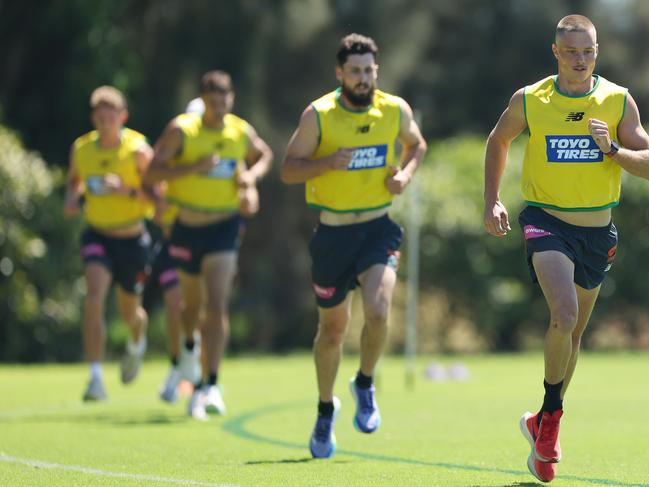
column 103, row 209
column 372, row 134
column 216, row 190
column 563, row 168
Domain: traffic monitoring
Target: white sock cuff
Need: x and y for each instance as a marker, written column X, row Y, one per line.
column 136, row 347
column 95, row 369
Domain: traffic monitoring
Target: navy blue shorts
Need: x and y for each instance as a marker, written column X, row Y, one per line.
column 591, row 249
column 189, row 245
column 340, row 253
column 163, row 267
column 163, row 275
column 127, row 259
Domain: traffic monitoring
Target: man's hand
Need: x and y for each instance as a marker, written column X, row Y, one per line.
column 599, row 131
column 248, row 201
column 496, row 219
column 113, row 184
column 161, row 207
column 340, row 159
column 397, row 181
column 71, row 206
column 206, row 164
column 246, row 179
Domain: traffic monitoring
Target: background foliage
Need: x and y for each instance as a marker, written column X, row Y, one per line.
column 457, row 63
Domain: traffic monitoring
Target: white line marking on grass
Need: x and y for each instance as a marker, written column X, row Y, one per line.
column 104, row 473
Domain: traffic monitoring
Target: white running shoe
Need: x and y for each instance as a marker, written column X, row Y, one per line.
column 367, row 418
column 95, row 390
column 214, row 400
column 196, row 406
column 189, row 364
column 131, row 360
column 169, row 389
column 323, row 440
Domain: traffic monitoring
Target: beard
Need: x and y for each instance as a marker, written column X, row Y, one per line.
column 358, row 99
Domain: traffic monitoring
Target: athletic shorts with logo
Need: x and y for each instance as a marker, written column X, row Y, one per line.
column 163, row 275
column 591, row 249
column 127, row 259
column 189, row 244
column 339, row 254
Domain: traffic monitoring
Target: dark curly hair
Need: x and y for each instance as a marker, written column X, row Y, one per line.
column 355, row 44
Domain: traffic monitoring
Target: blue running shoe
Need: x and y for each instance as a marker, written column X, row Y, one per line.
column 323, row 439
column 367, row 418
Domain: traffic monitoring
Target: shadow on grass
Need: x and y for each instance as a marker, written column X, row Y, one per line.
column 284, row 461
column 126, row 418
column 515, row 484
column 291, row 460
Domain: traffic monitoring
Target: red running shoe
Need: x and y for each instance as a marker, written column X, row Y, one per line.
column 529, row 425
column 547, row 447
column 543, row 471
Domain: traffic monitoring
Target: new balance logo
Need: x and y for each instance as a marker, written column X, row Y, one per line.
column 574, row 117
column 363, row 129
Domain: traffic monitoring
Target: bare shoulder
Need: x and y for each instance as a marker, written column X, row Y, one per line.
column 309, row 116
column 518, row 99
column 305, row 139
column 172, row 132
column 309, row 126
column 630, row 131
column 405, row 108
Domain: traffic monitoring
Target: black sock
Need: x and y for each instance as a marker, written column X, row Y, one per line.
column 363, row 381
column 174, row 360
column 326, row 409
column 211, row 379
column 552, row 399
column 189, row 345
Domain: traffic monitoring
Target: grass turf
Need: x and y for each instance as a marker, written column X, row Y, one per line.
column 435, row 434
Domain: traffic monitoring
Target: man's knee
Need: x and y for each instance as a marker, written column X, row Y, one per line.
column 564, row 319
column 134, row 315
column 377, row 312
column 331, row 332
column 174, row 306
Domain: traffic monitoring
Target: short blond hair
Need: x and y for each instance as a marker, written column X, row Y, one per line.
column 575, row 23
column 108, row 95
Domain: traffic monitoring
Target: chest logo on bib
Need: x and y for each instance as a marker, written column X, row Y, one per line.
column 225, row 169
column 572, row 148
column 369, row 157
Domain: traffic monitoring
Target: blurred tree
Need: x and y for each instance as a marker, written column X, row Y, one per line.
column 38, row 266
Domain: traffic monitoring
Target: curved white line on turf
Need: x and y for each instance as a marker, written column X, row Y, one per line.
column 104, row 473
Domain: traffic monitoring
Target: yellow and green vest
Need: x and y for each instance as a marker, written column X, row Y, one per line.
column 169, row 216
column 103, row 209
column 563, row 168
column 216, row 190
column 372, row 134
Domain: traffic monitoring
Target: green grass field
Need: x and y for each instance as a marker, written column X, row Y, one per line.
column 436, row 434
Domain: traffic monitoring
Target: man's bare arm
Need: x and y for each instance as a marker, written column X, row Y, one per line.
column 511, row 123
column 259, row 159
column 634, row 156
column 414, row 149
column 298, row 165
column 73, row 189
column 166, row 149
